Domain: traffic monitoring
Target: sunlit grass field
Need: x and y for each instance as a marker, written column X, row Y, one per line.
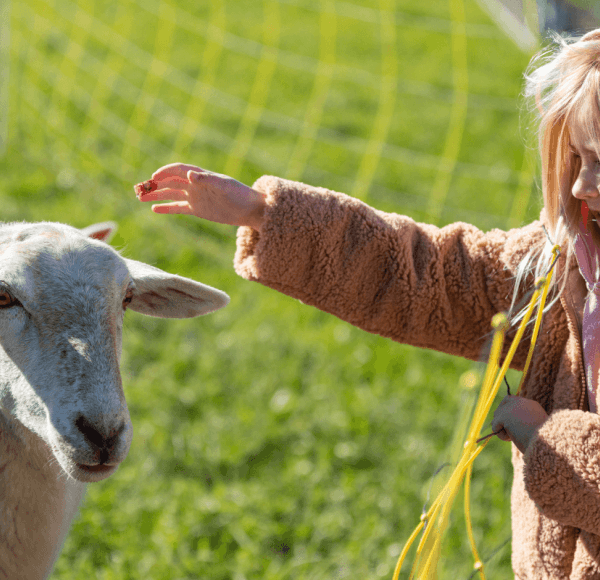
column 271, row 441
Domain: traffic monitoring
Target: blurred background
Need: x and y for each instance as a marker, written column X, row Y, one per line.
column 273, row 441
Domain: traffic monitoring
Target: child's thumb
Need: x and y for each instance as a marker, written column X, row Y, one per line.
column 192, row 175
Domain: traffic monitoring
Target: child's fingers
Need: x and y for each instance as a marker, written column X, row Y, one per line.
column 503, row 435
column 164, row 194
column 175, row 207
column 173, row 182
column 498, row 425
column 174, row 170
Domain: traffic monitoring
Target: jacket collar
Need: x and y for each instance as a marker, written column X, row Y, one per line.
column 572, row 299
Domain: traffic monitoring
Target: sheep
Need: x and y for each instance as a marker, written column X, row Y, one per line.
column 64, row 420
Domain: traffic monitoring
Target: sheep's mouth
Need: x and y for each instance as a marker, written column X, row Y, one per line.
column 95, row 472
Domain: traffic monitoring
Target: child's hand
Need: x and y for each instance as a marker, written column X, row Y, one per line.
column 207, row 195
column 518, row 419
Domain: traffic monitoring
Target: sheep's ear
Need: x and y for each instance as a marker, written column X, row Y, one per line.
column 103, row 231
column 166, row 295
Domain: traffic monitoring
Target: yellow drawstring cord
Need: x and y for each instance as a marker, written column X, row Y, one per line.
column 429, row 547
column 546, row 285
column 478, row 565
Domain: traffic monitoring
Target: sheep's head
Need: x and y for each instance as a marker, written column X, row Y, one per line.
column 63, row 295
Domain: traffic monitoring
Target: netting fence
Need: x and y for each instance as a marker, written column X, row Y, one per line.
column 413, row 107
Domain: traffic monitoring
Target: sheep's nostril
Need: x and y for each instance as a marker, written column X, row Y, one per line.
column 91, row 434
column 104, row 442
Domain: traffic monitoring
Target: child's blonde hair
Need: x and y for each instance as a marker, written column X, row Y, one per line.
column 562, row 84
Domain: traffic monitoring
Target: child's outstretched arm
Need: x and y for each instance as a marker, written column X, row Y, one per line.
column 415, row 283
column 212, row 196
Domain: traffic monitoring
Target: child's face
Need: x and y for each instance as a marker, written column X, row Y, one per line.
column 587, row 184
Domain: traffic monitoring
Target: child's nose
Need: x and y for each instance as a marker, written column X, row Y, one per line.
column 585, row 186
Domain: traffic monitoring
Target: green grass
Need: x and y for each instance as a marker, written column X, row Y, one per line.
column 271, row 441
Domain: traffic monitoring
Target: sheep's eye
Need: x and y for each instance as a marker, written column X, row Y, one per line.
column 7, row 300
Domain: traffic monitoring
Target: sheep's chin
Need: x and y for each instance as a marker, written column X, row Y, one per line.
column 92, row 473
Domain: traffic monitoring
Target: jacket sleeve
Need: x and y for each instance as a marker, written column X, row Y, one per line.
column 414, row 283
column 562, row 469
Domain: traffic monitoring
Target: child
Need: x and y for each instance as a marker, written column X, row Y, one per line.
column 439, row 288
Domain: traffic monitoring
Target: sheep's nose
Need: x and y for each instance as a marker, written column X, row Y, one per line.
column 104, row 440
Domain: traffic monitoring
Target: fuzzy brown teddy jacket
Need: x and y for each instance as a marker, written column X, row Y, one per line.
column 439, row 288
